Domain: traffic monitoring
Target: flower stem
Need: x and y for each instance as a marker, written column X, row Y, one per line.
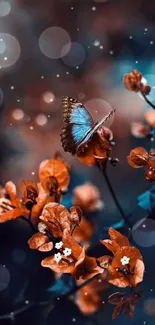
column 111, row 190
column 147, row 100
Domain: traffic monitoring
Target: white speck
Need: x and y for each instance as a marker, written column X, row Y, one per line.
column 67, row 72
column 58, row 75
column 10, row 124
column 4, row 265
column 136, row 62
column 93, row 8
column 129, row 228
column 1, row 40
column 144, row 226
column 74, row 319
column 72, row 8
column 48, row 115
column 18, row 100
column 33, row 173
column 67, row 251
column 130, row 37
column 88, row 47
column 85, row 293
column 111, row 52
column 42, row 77
column 151, row 42
column 77, row 67
column 5, row 58
column 96, row 43
column 78, row 29
column 31, row 127
column 27, row 302
column 99, row 280
column 151, row 290
column 101, row 47
column 146, row 29
column 59, row 245
column 58, row 298
column 57, row 257
column 144, row 322
column 125, row 260
column 12, row 87
column 103, row 302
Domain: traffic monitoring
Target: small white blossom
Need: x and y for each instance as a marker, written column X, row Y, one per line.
column 59, row 245
column 42, row 227
column 67, row 251
column 57, row 257
column 125, row 260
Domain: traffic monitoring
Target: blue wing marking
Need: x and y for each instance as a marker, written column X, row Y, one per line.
column 80, row 115
column 79, row 132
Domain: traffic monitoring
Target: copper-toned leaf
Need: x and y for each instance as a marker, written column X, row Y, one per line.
column 116, row 298
column 75, row 215
column 84, row 231
column 117, row 311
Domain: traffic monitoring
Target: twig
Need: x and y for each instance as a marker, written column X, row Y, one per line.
column 147, row 100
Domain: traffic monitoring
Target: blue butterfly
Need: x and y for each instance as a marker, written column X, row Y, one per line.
column 78, row 126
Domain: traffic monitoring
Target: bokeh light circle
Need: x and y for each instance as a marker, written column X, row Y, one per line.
column 149, row 307
column 48, row 97
column 5, row 8
column 4, row 277
column 41, row 119
column 10, row 50
column 52, row 41
column 2, row 46
column 98, row 108
column 17, row 114
column 18, row 255
column 143, row 232
column 73, row 54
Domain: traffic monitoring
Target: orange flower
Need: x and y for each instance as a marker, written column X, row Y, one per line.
column 40, row 240
column 127, row 267
column 72, row 259
column 59, row 220
column 124, row 304
column 150, row 171
column 57, row 168
column 134, row 81
column 12, row 208
column 98, row 147
column 139, row 130
column 138, row 157
column 150, row 117
column 87, row 196
column 84, row 232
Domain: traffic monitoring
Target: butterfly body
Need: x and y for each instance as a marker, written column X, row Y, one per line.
column 78, row 126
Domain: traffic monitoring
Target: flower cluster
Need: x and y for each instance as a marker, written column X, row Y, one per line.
column 139, row 158
column 134, row 81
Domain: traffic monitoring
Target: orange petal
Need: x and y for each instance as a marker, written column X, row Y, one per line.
column 47, row 247
column 118, row 237
column 11, row 191
column 13, row 214
column 60, row 267
column 139, row 269
column 111, row 245
column 37, row 240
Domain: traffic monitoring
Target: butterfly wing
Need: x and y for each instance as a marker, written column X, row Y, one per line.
column 77, row 124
